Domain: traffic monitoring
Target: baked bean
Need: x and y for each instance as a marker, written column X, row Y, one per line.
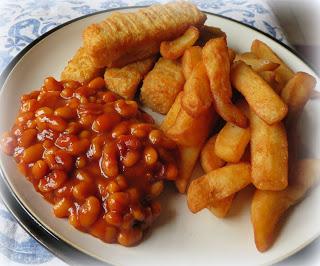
column 113, row 187
column 43, row 111
column 85, row 134
column 171, row 171
column 74, row 221
column 141, row 130
column 27, row 138
column 113, row 218
column 81, row 162
column 82, row 190
column 150, row 155
column 134, row 194
column 17, row 130
column 89, row 211
column 61, row 208
column 131, row 158
column 31, row 124
column 70, row 84
column 8, row 143
column 129, row 237
column 109, row 162
column 121, row 129
column 126, row 108
column 98, row 228
column 39, row 169
column 23, row 118
column 156, row 189
column 52, row 85
column 95, row 150
column 73, row 128
column 65, row 112
column 106, row 122
column 130, row 142
column 29, row 96
column 52, row 181
column 87, row 120
column 47, row 144
column 65, row 191
column 128, row 221
column 111, row 234
column 156, row 209
column 118, row 201
column 90, row 109
column 52, row 122
column 73, row 103
column 92, row 99
column 67, row 93
column 29, row 106
column 62, row 161
column 32, row 153
column 83, row 175
column 155, row 136
column 84, row 92
column 97, row 84
column 137, row 213
column 122, row 182
column 49, row 98
column 109, row 97
column 72, row 144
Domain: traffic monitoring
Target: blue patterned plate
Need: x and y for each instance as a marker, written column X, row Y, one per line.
column 178, row 237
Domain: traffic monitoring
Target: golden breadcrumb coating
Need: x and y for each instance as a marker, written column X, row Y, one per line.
column 123, row 38
column 125, row 81
column 81, row 68
column 162, row 84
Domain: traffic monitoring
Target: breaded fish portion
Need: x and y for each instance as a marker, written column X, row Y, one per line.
column 125, row 81
column 81, row 68
column 123, row 38
column 162, row 84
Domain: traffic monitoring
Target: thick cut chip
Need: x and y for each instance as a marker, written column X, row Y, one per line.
column 218, row 184
column 123, row 38
column 188, row 158
column 216, row 59
column 269, row 154
column 260, row 96
column 262, row 50
column 220, row 208
column 191, row 57
column 162, row 84
column 257, row 64
column 208, row 32
column 125, row 81
column 175, row 49
column 268, row 207
column 297, row 92
column 81, row 68
column 231, row 142
column 208, row 159
column 197, row 97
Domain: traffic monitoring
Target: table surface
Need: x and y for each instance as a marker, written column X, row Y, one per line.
column 22, row 21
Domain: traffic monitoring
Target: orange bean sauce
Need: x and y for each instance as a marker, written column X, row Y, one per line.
column 97, row 158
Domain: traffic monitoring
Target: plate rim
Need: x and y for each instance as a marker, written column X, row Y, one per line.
column 49, row 240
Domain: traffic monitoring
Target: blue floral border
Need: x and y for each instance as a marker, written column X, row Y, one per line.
column 23, row 21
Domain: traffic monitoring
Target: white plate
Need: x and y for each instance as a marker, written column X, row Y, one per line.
column 178, row 237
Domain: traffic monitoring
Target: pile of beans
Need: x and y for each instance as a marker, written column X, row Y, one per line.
column 97, row 158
